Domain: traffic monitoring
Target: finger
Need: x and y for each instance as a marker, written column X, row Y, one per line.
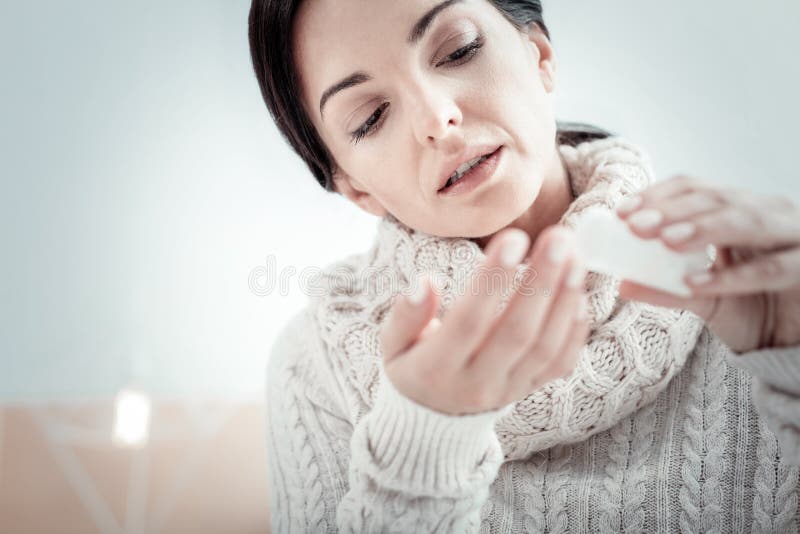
column 758, row 227
column 431, row 328
column 775, row 271
column 560, row 319
column 522, row 320
column 664, row 217
column 471, row 316
column 629, row 290
column 568, row 356
column 529, row 374
column 410, row 316
column 656, row 192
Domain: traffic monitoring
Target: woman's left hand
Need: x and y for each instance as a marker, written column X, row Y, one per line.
column 751, row 296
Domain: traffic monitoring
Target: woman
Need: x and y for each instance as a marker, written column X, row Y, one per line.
column 507, row 389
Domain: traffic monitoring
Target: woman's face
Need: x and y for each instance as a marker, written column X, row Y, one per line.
column 403, row 93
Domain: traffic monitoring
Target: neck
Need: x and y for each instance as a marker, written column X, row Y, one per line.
column 547, row 209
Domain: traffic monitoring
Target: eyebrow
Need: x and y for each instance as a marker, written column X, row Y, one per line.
column 414, row 36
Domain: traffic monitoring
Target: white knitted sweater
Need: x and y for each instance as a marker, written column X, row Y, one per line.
column 661, row 428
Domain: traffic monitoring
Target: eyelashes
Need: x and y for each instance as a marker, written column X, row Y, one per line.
column 459, row 57
column 370, row 125
column 463, row 54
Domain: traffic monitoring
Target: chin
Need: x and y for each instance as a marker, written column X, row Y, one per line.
column 510, row 204
column 492, row 218
column 496, row 209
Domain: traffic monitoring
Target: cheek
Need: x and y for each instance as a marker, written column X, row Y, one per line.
column 389, row 169
column 512, row 87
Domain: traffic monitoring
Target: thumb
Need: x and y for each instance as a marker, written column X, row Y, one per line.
column 409, row 319
column 632, row 291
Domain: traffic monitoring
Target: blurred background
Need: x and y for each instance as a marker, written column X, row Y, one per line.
column 148, row 206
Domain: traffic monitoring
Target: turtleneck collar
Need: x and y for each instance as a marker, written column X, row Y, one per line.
column 633, row 351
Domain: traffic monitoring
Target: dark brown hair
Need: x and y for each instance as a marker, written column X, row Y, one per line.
column 270, row 33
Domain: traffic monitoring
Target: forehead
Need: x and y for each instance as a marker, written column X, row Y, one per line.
column 333, row 38
column 334, row 24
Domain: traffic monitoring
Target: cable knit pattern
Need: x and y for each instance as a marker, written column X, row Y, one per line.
column 777, row 392
column 557, row 489
column 307, row 463
column 533, row 501
column 704, row 443
column 775, row 503
column 587, row 453
column 302, row 458
column 624, row 487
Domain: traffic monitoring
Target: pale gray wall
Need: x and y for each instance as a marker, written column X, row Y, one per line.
column 142, row 180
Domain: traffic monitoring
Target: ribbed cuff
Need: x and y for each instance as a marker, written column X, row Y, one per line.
column 778, row 367
column 421, row 451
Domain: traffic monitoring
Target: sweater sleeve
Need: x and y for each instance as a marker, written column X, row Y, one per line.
column 401, row 468
column 776, row 393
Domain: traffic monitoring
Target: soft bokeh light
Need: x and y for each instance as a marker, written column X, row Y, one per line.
column 131, row 418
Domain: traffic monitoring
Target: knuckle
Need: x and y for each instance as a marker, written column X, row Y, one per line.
column 737, row 197
column 768, row 267
column 721, row 197
column 516, row 333
column 707, row 200
column 684, row 180
column 757, row 219
column 689, row 183
column 468, row 324
column 727, row 219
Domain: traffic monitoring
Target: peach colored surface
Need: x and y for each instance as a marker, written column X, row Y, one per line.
column 203, row 471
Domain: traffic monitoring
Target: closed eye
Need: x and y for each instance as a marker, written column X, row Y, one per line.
column 463, row 54
column 370, row 126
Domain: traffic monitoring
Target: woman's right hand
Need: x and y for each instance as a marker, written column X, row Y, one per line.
column 477, row 360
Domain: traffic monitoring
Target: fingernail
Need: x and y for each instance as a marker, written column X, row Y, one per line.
column 514, row 248
column 646, row 219
column 675, row 233
column 699, row 279
column 419, row 291
column 629, row 204
column 557, row 251
column 576, row 275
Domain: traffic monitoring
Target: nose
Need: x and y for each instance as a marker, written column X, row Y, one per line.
column 435, row 115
